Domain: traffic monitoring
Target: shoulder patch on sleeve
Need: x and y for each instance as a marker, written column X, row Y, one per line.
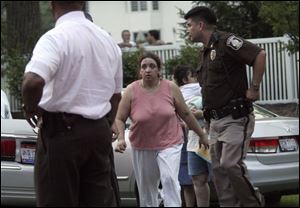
column 234, row 42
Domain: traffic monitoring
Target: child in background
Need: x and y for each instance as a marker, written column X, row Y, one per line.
column 198, row 167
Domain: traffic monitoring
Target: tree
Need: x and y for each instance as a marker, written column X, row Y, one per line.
column 23, row 25
column 240, row 17
column 257, row 19
column 21, row 28
column 284, row 18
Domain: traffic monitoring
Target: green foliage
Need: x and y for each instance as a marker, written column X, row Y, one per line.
column 258, row 19
column 290, row 201
column 284, row 18
column 46, row 16
column 189, row 55
column 130, row 66
column 240, row 17
column 14, row 73
column 15, row 51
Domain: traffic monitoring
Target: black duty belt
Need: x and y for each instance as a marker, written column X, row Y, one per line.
column 217, row 113
column 237, row 108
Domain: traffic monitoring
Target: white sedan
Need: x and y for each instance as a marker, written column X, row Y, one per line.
column 273, row 160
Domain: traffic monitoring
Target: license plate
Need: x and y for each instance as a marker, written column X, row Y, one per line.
column 288, row 144
column 28, row 155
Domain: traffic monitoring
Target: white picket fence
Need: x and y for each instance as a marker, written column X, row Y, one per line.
column 280, row 83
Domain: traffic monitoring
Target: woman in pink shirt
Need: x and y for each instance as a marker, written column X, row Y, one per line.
column 156, row 137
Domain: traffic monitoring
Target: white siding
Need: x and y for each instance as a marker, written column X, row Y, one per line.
column 114, row 16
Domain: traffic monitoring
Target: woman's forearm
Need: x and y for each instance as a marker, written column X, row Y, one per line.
column 121, row 127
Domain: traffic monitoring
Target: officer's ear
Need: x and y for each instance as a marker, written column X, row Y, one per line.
column 201, row 25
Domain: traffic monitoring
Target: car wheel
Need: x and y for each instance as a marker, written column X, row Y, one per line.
column 272, row 200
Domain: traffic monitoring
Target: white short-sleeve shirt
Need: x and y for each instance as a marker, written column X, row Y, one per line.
column 81, row 65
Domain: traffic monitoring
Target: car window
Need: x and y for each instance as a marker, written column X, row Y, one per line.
column 261, row 112
column 5, row 109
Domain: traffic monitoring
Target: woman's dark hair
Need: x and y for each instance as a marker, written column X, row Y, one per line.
column 181, row 72
column 152, row 56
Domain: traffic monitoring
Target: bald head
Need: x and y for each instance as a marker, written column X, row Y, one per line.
column 60, row 8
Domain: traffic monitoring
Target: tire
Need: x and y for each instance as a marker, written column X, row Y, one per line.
column 272, row 200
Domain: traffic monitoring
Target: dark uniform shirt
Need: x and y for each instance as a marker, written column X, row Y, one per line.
column 222, row 74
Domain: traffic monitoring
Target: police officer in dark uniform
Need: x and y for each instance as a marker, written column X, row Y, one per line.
column 228, row 104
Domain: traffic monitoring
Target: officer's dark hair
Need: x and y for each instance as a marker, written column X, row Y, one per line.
column 181, row 72
column 70, row 5
column 154, row 33
column 152, row 56
column 202, row 13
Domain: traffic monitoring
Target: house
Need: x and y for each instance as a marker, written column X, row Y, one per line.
column 139, row 17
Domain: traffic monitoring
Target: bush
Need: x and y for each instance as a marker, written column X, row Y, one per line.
column 130, row 66
column 189, row 55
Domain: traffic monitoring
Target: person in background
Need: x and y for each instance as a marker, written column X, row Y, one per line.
column 74, row 87
column 127, row 43
column 227, row 102
column 153, row 38
column 156, row 138
column 198, row 168
column 185, row 180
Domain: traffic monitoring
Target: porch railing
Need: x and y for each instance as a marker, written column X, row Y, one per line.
column 280, row 83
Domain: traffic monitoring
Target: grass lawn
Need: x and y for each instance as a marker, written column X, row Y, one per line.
column 290, row 201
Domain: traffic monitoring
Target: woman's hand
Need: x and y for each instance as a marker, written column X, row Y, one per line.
column 121, row 145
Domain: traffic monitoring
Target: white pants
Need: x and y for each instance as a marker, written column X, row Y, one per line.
column 151, row 167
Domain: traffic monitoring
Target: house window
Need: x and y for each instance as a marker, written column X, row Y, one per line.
column 143, row 5
column 155, row 5
column 134, row 6
column 138, row 6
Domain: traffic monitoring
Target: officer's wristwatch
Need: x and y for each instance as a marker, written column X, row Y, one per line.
column 255, row 86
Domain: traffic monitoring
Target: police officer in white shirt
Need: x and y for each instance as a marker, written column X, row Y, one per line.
column 73, row 81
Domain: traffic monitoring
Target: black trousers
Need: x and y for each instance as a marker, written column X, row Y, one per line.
column 74, row 162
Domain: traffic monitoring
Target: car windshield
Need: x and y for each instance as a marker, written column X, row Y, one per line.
column 261, row 112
